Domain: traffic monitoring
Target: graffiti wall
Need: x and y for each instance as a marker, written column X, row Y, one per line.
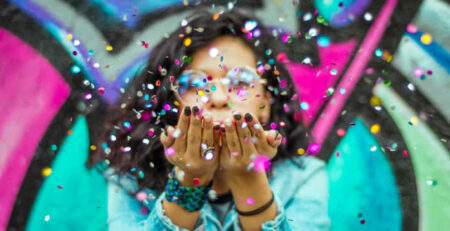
column 373, row 76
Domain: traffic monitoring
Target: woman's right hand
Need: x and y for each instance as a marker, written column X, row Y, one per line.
column 183, row 147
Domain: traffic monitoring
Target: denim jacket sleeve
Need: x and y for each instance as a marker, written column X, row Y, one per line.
column 306, row 209
column 127, row 213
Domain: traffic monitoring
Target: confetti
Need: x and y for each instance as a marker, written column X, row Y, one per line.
column 196, row 181
column 213, row 52
column 170, row 151
column 313, row 148
column 323, row 41
column 75, row 69
column 411, row 28
column 250, row 201
column 426, row 39
column 340, row 132
column 304, row 105
column 300, row 151
column 261, row 163
column 413, row 121
column 418, row 72
column 45, row 172
column 187, row 42
column 368, row 16
column 250, row 25
column 374, row 129
column 141, row 196
column 88, row 96
column 109, row 48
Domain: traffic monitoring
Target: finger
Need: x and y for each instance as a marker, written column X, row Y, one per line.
column 217, row 138
column 194, row 137
column 207, row 136
column 273, row 137
column 261, row 142
column 244, row 135
column 232, row 138
column 166, row 136
column 225, row 153
column 180, row 133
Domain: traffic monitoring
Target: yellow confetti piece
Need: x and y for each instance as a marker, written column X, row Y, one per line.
column 300, row 151
column 93, row 147
column 276, row 72
column 176, row 103
column 375, row 128
column 414, row 120
column 216, row 16
column 200, row 93
column 375, row 101
column 69, row 37
column 109, row 48
column 187, row 41
column 46, row 172
column 426, row 39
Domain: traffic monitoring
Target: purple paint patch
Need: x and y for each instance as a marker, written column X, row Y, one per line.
column 31, row 93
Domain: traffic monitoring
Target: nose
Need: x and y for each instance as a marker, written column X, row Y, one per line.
column 219, row 98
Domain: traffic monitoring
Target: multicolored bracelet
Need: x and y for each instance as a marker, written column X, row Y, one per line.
column 190, row 198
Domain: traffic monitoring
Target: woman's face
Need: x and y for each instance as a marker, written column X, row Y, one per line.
column 223, row 100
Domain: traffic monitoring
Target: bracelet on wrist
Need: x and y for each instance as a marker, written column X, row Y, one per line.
column 190, row 198
column 258, row 210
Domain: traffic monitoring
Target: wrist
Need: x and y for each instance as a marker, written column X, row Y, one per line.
column 192, row 180
column 246, row 179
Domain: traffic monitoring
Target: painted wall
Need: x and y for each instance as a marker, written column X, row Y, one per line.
column 373, row 78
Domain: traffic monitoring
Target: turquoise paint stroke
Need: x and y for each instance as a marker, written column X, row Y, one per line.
column 362, row 185
column 430, row 159
column 81, row 203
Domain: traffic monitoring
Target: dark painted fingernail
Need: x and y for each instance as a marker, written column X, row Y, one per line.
column 278, row 133
column 237, row 117
column 187, row 111
column 195, row 109
column 222, row 128
column 248, row 117
column 217, row 127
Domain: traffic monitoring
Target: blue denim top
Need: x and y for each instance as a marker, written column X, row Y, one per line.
column 299, row 185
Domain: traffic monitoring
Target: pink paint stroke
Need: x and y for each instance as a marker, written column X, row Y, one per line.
column 326, row 120
column 312, row 83
column 31, row 93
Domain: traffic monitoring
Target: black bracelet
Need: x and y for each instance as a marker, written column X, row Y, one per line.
column 258, row 210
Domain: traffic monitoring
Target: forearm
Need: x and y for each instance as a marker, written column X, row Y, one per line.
column 180, row 216
column 252, row 191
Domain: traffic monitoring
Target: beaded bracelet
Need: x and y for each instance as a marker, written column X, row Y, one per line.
column 190, row 198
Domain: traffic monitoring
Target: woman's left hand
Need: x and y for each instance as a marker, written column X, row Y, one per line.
column 243, row 141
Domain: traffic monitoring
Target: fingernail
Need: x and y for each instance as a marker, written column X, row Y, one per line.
column 248, row 117
column 216, row 127
column 237, row 117
column 187, row 111
column 278, row 133
column 195, row 109
column 257, row 126
column 222, row 129
column 207, row 116
column 228, row 122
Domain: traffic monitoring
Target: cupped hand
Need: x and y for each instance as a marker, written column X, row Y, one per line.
column 185, row 144
column 246, row 146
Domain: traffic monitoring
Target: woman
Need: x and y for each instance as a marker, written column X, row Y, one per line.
column 195, row 142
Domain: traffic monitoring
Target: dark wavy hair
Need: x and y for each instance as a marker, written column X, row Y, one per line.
column 130, row 140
